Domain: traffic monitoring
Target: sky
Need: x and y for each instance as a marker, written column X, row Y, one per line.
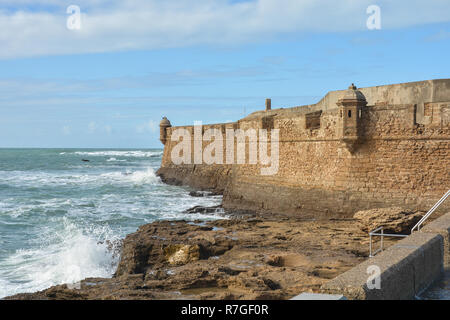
column 108, row 83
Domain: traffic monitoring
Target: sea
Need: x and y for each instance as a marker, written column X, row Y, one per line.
column 62, row 211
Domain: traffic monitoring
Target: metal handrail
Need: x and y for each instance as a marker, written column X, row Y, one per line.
column 417, row 226
column 425, row 217
column 382, row 235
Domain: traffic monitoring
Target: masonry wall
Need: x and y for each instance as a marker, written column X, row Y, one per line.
column 397, row 162
column 199, row 176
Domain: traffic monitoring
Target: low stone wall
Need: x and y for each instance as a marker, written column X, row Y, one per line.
column 441, row 226
column 406, row 269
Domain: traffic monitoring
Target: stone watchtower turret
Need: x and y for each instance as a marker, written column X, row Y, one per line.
column 163, row 125
column 350, row 110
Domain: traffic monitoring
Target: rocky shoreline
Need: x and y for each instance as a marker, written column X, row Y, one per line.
column 243, row 256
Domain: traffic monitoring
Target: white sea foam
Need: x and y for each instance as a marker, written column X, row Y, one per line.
column 67, row 256
column 115, row 160
column 137, row 177
column 118, row 153
column 39, row 179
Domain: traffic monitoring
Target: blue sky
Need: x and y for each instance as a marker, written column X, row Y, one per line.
column 109, row 83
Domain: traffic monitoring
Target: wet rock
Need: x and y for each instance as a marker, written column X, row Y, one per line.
column 229, row 271
column 113, row 246
column 196, row 194
column 272, row 285
column 205, row 210
column 287, row 260
column 394, row 219
column 166, row 243
column 156, row 275
column 204, row 193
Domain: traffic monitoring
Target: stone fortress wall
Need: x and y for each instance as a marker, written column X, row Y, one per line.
column 355, row 149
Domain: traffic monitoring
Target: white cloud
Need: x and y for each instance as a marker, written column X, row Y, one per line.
column 108, row 129
column 66, row 130
column 14, row 89
column 92, row 127
column 150, row 126
column 153, row 24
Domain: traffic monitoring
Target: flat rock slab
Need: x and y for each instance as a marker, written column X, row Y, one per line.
column 393, row 220
column 318, row 296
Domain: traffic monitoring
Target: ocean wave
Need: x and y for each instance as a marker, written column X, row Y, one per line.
column 54, row 213
column 115, row 160
column 137, row 177
column 39, row 179
column 219, row 214
column 68, row 256
column 135, row 154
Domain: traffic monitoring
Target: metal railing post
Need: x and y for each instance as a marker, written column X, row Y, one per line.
column 372, row 233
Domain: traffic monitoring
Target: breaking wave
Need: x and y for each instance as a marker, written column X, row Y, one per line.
column 136, row 154
column 39, row 179
column 114, row 160
column 68, row 255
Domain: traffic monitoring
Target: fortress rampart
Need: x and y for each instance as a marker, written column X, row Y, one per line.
column 355, row 149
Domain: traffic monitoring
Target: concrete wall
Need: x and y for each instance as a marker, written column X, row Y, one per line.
column 441, row 226
column 407, row 268
column 397, row 162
